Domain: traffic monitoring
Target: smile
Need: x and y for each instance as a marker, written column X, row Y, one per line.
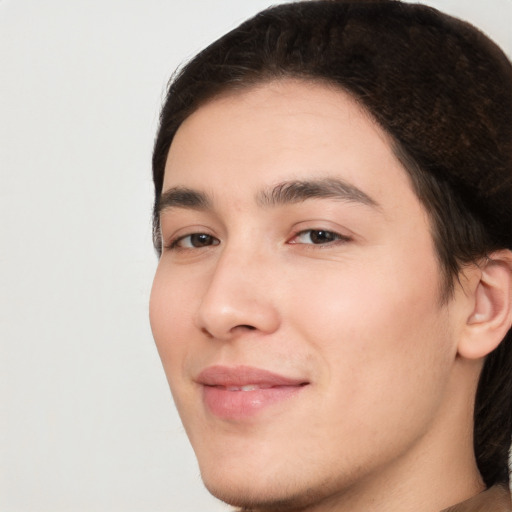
column 237, row 393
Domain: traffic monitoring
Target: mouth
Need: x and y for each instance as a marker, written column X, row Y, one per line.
column 247, row 387
column 240, row 392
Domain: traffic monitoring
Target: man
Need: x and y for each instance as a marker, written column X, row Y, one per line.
column 332, row 304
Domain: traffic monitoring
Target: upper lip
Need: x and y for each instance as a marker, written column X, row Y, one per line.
column 236, row 376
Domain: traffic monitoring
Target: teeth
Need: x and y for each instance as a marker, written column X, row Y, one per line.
column 250, row 387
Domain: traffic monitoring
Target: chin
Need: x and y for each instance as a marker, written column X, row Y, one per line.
column 249, row 498
column 266, row 493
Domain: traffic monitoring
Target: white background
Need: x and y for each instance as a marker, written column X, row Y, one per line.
column 86, row 419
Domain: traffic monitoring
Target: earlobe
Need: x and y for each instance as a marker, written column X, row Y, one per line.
column 491, row 314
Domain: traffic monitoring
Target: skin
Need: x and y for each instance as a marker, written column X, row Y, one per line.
column 385, row 420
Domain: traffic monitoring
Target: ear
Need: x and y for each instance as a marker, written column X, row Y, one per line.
column 490, row 312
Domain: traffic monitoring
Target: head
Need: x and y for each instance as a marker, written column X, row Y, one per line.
column 431, row 99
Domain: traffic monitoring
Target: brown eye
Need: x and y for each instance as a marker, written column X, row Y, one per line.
column 317, row 237
column 322, row 237
column 195, row 241
column 201, row 240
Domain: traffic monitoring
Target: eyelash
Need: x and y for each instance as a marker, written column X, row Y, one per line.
column 335, row 237
column 331, row 238
column 173, row 245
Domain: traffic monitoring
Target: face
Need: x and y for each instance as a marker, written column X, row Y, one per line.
column 296, row 302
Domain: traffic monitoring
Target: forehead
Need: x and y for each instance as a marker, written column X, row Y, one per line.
column 245, row 141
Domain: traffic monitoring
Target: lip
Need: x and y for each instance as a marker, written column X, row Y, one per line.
column 241, row 392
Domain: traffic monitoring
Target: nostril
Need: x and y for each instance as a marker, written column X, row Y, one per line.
column 247, row 327
column 205, row 331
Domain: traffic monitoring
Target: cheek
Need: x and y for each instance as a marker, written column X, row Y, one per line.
column 379, row 330
column 170, row 310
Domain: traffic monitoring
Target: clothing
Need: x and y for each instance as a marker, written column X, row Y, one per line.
column 495, row 499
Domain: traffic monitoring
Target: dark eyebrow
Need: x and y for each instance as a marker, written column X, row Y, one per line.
column 297, row 191
column 182, row 197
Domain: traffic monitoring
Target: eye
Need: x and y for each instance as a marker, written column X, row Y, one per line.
column 317, row 237
column 194, row 241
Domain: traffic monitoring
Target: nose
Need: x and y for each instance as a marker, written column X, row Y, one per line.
column 238, row 298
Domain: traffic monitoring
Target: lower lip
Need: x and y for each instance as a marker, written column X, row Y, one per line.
column 234, row 405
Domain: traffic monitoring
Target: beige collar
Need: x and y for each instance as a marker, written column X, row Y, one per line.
column 495, row 499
